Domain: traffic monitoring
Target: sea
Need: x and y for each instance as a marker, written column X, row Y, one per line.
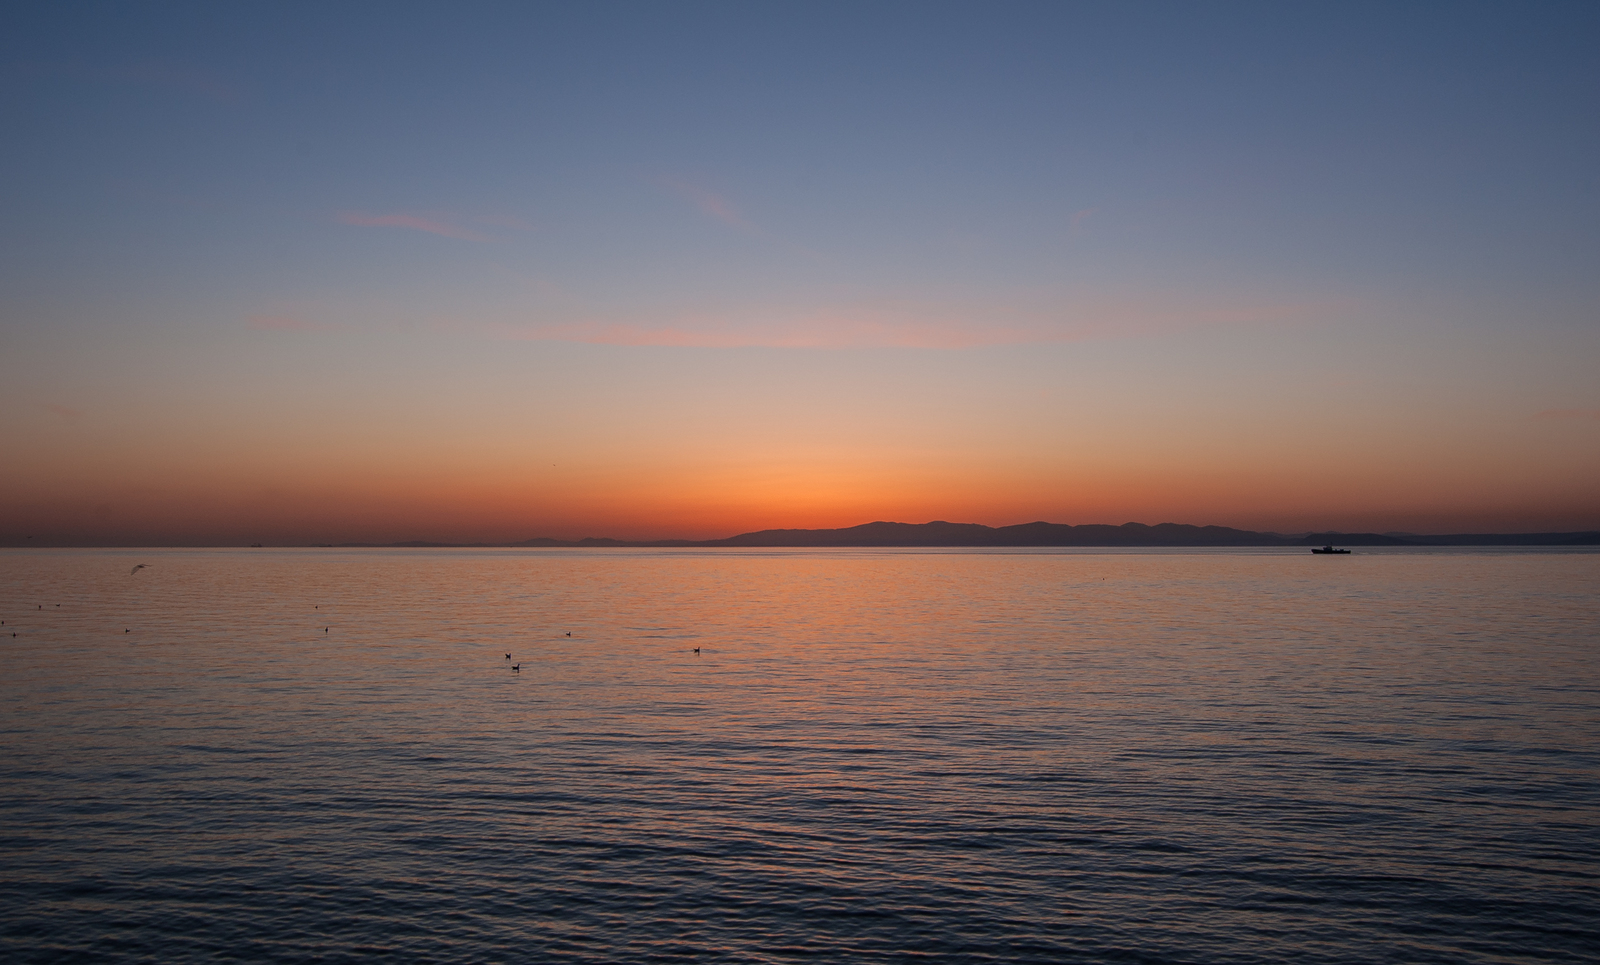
column 798, row 755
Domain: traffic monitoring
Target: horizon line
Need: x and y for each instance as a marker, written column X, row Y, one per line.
column 1391, row 537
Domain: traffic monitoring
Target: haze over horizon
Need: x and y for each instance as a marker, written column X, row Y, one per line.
column 490, row 272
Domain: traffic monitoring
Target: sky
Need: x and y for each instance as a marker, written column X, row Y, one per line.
column 318, row 273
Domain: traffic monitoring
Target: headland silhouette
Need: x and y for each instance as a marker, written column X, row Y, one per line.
column 941, row 533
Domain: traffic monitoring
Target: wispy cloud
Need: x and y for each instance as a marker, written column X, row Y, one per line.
column 411, row 221
column 710, row 203
column 161, row 75
column 177, row 77
column 281, row 323
column 1568, row 415
column 910, row 325
column 64, row 412
column 502, row 221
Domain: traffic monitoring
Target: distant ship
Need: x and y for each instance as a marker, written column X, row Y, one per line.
column 1329, row 549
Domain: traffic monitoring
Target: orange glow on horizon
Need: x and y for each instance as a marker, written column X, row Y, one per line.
column 692, row 503
column 700, row 444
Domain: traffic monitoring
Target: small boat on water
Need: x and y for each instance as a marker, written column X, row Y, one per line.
column 1330, row 550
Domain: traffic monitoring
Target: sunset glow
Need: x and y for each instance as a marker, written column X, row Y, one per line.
column 289, row 281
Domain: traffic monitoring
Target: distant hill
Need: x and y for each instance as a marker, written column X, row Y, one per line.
column 941, row 533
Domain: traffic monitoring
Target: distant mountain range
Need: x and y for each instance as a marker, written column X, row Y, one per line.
column 940, row 533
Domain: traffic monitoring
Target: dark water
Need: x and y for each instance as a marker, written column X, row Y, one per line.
column 876, row 756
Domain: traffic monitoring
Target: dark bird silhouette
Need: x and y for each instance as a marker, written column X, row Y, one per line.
column 517, row 667
column 137, row 568
column 324, row 629
column 508, row 656
column 569, row 633
column 696, row 649
column 125, row 631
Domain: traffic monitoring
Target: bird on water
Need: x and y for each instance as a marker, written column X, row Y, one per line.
column 517, row 667
column 137, row 568
column 508, row 656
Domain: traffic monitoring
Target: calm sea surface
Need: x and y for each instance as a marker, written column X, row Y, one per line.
column 875, row 756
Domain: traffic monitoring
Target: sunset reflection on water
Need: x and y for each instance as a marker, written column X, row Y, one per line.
column 1040, row 755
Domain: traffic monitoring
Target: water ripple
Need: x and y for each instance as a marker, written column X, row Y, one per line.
column 296, row 756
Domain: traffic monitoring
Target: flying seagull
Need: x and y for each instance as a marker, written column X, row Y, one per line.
column 137, row 568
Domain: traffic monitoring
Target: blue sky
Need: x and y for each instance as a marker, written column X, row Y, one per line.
column 1169, row 208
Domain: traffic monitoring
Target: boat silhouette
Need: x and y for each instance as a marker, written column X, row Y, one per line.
column 1330, row 550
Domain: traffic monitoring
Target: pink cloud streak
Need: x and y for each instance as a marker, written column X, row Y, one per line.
column 909, row 325
column 710, row 203
column 503, row 221
column 410, row 221
column 281, row 323
column 1567, row 415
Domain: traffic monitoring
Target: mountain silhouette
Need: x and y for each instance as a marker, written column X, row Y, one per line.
column 941, row 533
